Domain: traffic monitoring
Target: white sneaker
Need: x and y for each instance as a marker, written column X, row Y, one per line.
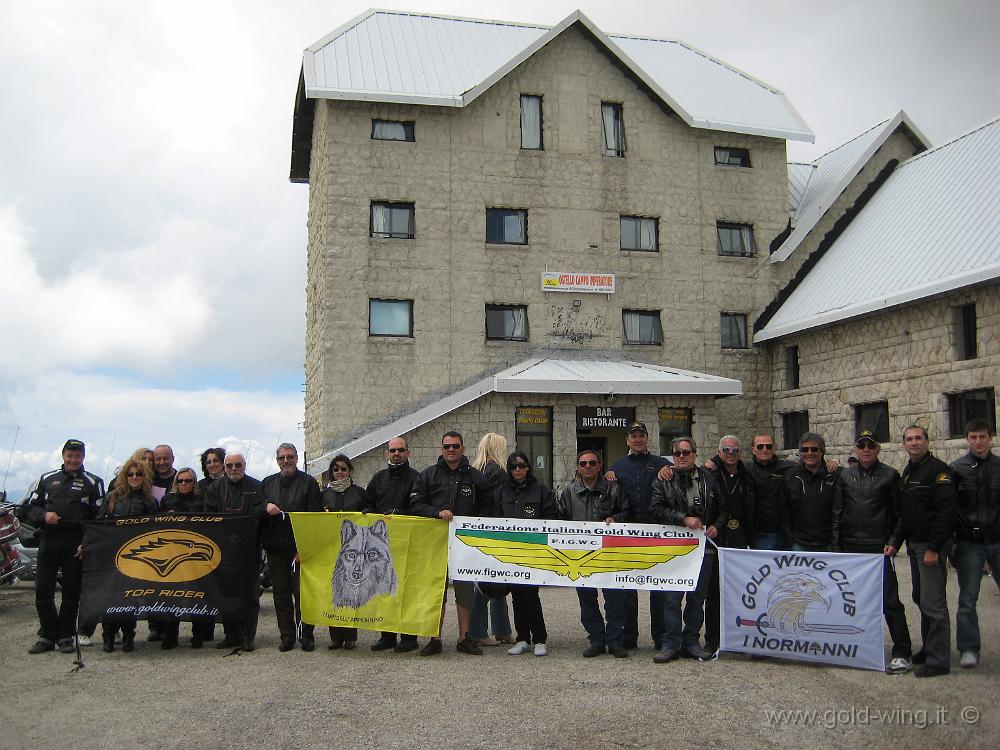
column 969, row 659
column 84, row 640
column 540, row 650
column 518, row 648
column 899, row 665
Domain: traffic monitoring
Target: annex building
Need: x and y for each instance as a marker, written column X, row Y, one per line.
column 551, row 232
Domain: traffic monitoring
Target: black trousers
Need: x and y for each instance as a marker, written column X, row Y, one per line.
column 892, row 607
column 529, row 622
column 58, row 552
column 285, row 590
column 656, row 604
column 713, row 608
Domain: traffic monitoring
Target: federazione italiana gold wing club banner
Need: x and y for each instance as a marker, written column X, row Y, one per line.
column 168, row 567
column 574, row 553
column 372, row 571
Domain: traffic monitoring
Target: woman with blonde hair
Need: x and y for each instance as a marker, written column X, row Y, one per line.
column 491, row 456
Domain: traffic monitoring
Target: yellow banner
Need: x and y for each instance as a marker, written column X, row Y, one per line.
column 372, row 571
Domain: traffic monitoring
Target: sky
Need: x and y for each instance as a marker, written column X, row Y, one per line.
column 152, row 249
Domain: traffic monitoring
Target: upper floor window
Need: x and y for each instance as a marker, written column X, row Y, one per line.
column 791, row 367
column 507, row 322
column 732, row 157
column 390, row 317
column 642, row 327
column 967, row 405
column 733, row 328
column 613, row 128
column 531, row 122
column 968, row 344
column 391, row 130
column 874, row 417
column 393, row 220
column 507, row 226
column 638, row 233
column 735, row 239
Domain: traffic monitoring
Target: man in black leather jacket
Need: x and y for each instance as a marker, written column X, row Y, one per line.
column 866, row 519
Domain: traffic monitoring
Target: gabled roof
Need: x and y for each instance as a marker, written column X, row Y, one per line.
column 933, row 227
column 391, row 56
column 548, row 375
column 813, row 188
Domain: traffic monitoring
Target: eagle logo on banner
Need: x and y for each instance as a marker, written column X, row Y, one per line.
column 168, row 556
column 575, row 556
column 792, row 595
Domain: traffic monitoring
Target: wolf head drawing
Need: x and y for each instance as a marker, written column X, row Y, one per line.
column 364, row 566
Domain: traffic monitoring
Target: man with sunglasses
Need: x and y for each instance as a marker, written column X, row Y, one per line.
column 812, row 492
column 636, row 472
column 291, row 490
column 453, row 487
column 591, row 497
column 866, row 520
column 388, row 492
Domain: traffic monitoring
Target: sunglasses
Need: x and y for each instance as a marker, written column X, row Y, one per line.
column 185, row 481
column 866, row 445
column 678, row 454
column 340, row 470
column 589, row 463
column 518, row 465
column 729, row 449
column 234, row 466
column 451, row 446
column 396, row 450
column 764, row 446
column 809, row 449
column 134, row 474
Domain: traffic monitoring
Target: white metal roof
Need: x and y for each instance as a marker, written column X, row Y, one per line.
column 933, row 227
column 438, row 60
column 813, row 188
column 549, row 375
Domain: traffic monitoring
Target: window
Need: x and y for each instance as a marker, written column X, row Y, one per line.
column 390, row 317
column 638, row 233
column 733, row 328
column 613, row 128
column 390, row 130
column 531, row 122
column 507, row 226
column 642, row 327
column 791, row 367
column 507, row 322
column 968, row 346
column 393, row 220
column 732, row 157
column 735, row 240
column 794, row 424
column 674, row 423
column 533, row 435
column 874, row 417
column 968, row 405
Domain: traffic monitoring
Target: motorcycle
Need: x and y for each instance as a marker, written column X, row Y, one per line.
column 10, row 560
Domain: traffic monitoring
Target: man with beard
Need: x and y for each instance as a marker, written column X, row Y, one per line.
column 237, row 494
column 388, row 492
column 289, row 491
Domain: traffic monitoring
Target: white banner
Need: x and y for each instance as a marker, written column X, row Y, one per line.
column 808, row 606
column 574, row 553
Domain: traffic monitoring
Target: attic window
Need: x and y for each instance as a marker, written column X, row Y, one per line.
column 732, row 157
column 613, row 128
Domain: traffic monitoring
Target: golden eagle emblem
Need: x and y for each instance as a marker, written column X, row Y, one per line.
column 168, row 556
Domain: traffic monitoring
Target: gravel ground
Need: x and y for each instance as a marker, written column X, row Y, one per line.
column 186, row 698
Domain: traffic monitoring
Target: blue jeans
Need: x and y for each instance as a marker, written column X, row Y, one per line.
column 496, row 612
column 772, row 540
column 685, row 630
column 969, row 562
column 598, row 632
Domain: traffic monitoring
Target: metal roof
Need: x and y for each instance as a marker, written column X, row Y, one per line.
column 392, row 56
column 933, row 227
column 813, row 188
column 549, row 375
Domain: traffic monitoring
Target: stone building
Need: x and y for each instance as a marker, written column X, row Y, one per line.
column 551, row 232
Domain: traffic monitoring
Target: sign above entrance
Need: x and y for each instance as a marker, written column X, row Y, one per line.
column 604, row 417
column 587, row 283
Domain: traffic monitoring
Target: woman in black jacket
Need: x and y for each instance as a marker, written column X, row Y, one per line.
column 343, row 495
column 523, row 496
column 130, row 497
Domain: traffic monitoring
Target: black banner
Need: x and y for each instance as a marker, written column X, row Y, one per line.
column 168, row 567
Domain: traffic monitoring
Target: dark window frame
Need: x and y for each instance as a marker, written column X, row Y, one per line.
column 499, row 209
column 637, row 218
column 535, row 441
column 863, row 417
column 745, row 332
column 541, row 122
column 621, row 144
column 391, row 235
column 961, row 409
column 729, row 151
column 792, row 428
column 372, row 300
column 793, row 372
column 409, row 130
column 668, row 435
column 744, row 231
column 968, row 332
column 507, row 308
column 645, row 314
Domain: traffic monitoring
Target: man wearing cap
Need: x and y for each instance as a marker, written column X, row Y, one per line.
column 61, row 500
column 927, row 500
column 636, row 472
column 866, row 519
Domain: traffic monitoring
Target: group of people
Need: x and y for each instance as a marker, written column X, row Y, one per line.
column 764, row 502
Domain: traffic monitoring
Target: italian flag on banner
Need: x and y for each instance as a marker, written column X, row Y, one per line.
column 372, row 571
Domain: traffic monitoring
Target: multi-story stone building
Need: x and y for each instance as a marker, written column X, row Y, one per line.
column 552, row 232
